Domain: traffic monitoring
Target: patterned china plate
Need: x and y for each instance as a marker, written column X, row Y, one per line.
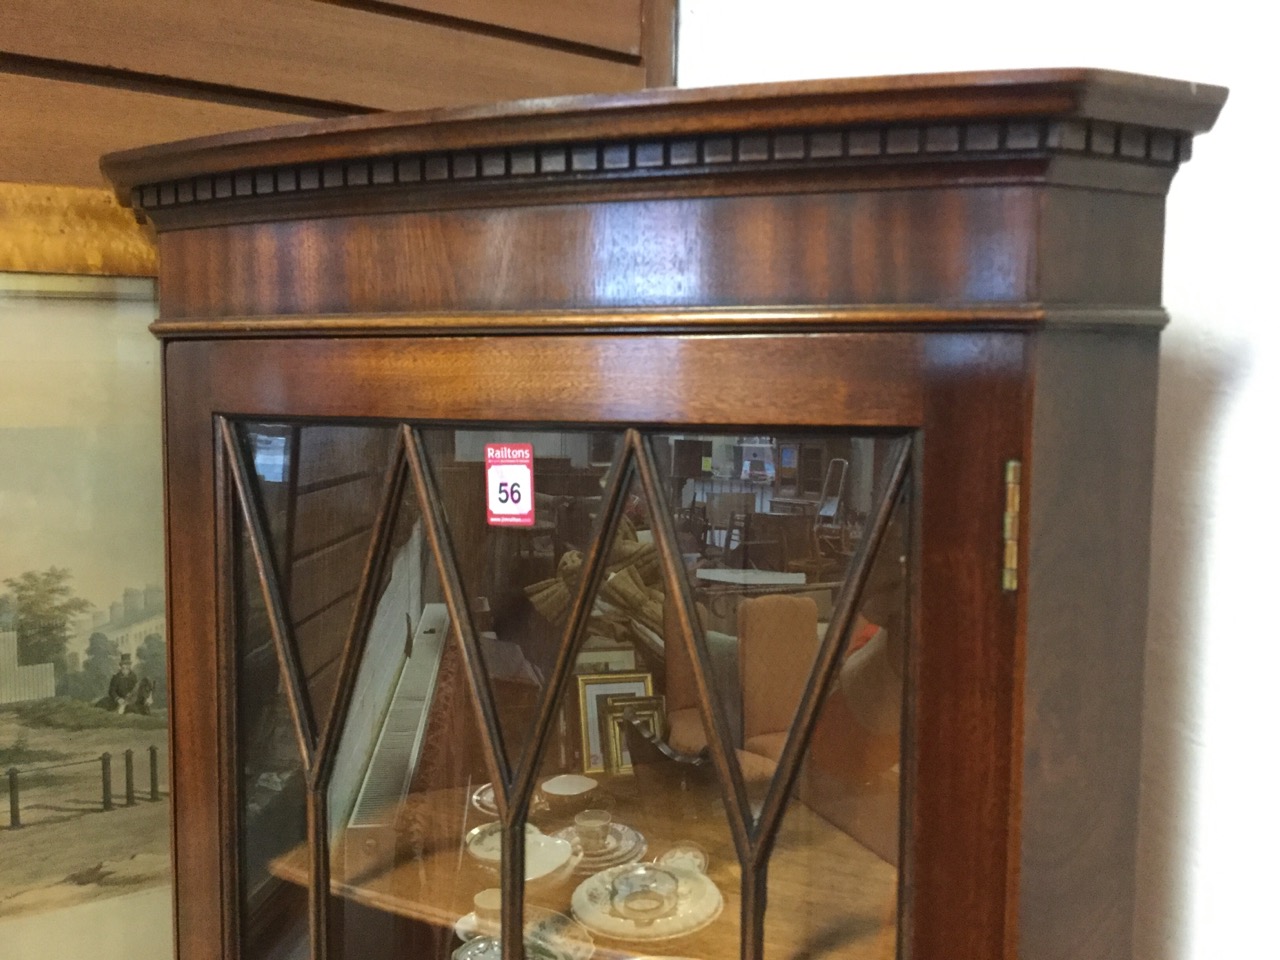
column 563, row 935
column 698, row 903
column 485, row 841
column 490, row 948
column 623, row 845
column 483, row 800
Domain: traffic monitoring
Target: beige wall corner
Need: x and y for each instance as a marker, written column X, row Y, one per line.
column 71, row 230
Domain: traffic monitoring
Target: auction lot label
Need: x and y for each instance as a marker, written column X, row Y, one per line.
column 508, row 480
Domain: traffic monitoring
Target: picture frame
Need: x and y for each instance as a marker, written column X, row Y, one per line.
column 592, row 687
column 602, row 655
column 84, row 736
column 650, row 713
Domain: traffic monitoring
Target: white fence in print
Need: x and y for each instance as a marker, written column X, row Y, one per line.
column 19, row 683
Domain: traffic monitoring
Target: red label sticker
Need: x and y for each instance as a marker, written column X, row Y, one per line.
column 508, row 480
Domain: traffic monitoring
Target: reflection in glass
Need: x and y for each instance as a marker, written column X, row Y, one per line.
column 634, row 843
column 833, row 873
column 629, row 840
column 396, row 808
column 519, row 580
column 273, row 802
column 320, row 488
column 767, row 527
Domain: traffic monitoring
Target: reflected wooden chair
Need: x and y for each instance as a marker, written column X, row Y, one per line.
column 727, row 515
column 828, row 518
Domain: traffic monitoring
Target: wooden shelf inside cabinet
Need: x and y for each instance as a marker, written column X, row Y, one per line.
column 664, row 522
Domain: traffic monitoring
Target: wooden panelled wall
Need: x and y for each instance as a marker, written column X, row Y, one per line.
column 79, row 78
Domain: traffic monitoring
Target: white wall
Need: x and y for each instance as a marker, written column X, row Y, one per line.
column 1210, row 826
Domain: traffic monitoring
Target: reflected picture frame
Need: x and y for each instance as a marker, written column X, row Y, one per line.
column 592, row 689
column 648, row 713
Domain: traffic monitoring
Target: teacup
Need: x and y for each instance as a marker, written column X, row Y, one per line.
column 488, row 909
column 593, row 830
column 644, row 892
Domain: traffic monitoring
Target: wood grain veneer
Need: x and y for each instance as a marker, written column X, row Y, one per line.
column 289, row 47
column 969, row 260
column 80, row 79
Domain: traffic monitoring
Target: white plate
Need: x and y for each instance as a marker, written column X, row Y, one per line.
column 568, row 785
column 564, row 935
column 545, row 858
column 698, row 904
column 557, row 876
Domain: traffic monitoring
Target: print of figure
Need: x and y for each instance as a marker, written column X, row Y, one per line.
column 122, row 688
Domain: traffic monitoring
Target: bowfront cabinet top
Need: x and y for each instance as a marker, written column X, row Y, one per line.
column 693, row 523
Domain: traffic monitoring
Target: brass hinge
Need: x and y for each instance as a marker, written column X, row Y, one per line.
column 1012, row 509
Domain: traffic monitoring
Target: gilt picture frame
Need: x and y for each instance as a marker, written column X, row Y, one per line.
column 592, row 688
column 649, row 713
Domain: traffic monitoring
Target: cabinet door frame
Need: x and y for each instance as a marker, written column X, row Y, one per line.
column 966, row 395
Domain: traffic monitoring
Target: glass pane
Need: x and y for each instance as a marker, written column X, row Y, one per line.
column 274, row 865
column 630, row 844
column 320, row 487
column 767, row 526
column 833, row 874
column 408, row 763
column 520, row 569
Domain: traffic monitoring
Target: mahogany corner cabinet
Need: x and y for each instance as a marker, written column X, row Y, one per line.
column 698, row 523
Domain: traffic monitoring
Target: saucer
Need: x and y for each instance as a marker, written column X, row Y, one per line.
column 623, row 845
column 483, row 800
column 490, row 948
column 485, row 841
column 563, row 935
column 685, row 854
column 698, row 903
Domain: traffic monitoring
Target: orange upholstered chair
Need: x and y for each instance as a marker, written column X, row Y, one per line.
column 777, row 644
column 685, row 731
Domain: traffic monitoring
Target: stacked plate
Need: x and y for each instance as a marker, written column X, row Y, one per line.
column 698, row 903
column 554, row 932
column 623, row 845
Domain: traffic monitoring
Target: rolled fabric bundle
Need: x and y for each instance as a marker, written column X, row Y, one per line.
column 549, row 597
column 624, row 589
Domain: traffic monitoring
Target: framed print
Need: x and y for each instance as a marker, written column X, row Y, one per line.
column 84, row 747
column 591, row 688
column 601, row 655
column 649, row 713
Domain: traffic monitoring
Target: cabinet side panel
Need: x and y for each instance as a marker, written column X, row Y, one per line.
column 1101, row 247
column 1086, row 579
column 200, row 894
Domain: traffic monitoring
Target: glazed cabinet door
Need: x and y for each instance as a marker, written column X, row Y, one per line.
column 629, row 678
column 664, row 668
